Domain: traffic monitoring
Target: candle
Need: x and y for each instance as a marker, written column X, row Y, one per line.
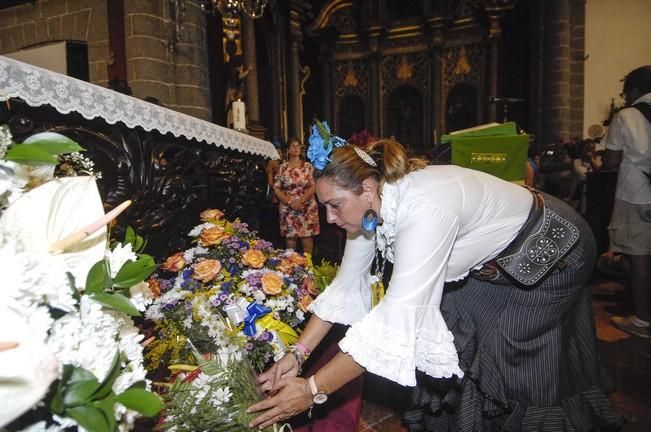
column 76, row 237
column 239, row 115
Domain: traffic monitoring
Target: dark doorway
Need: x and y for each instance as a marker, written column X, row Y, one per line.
column 405, row 117
column 461, row 110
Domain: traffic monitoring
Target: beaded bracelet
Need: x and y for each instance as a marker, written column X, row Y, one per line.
column 299, row 353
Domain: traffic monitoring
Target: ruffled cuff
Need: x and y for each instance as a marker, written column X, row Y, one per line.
column 394, row 348
column 344, row 301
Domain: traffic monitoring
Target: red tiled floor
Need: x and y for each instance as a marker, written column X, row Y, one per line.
column 627, row 359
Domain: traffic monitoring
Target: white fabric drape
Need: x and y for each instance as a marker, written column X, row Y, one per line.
column 38, row 87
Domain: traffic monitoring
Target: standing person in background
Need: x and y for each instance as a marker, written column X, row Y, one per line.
column 628, row 149
column 297, row 209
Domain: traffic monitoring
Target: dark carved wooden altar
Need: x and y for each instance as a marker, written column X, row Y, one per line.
column 170, row 180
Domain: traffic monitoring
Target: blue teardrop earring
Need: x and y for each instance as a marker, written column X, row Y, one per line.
column 369, row 221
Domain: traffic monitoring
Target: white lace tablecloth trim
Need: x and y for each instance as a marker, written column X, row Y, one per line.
column 38, row 87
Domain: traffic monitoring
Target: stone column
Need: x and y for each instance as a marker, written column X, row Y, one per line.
column 374, row 80
column 495, row 9
column 437, row 25
column 556, row 72
column 252, row 95
column 297, row 11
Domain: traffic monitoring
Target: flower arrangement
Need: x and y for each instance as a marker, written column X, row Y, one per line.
column 228, row 305
column 214, row 396
column 70, row 354
column 322, row 142
column 230, row 286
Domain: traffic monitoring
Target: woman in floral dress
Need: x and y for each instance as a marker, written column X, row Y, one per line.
column 298, row 211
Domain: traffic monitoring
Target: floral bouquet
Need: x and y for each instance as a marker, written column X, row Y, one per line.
column 70, row 354
column 214, row 396
column 231, row 286
column 228, row 304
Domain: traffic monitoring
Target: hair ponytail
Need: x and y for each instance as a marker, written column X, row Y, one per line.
column 348, row 170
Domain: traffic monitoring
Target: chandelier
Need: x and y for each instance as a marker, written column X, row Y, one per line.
column 230, row 10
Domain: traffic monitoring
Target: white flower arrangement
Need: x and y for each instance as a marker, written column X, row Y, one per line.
column 70, row 354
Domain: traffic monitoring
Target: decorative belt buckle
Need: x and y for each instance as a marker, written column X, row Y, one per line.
column 549, row 240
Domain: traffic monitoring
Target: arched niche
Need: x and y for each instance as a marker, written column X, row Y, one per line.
column 351, row 116
column 404, row 116
column 462, row 107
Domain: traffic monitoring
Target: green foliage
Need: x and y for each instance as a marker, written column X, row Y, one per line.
column 41, row 149
column 324, row 273
column 137, row 242
column 133, row 272
column 80, row 396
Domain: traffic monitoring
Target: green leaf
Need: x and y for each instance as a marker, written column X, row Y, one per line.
column 30, row 155
column 53, row 143
column 56, row 404
column 106, row 407
column 89, row 418
column 143, row 401
column 105, row 388
column 98, row 278
column 133, row 272
column 129, row 235
column 139, row 385
column 79, row 392
column 117, row 301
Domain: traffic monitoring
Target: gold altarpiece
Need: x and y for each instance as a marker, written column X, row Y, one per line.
column 413, row 78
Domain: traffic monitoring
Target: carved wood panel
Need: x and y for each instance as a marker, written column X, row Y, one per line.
column 169, row 179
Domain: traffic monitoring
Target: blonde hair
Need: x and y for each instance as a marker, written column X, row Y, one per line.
column 348, row 170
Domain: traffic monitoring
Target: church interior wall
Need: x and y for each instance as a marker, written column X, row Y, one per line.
column 617, row 41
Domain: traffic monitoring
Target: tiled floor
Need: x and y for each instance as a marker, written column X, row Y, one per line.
column 627, row 359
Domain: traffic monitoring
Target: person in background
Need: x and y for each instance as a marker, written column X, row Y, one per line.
column 298, row 210
column 628, row 149
column 272, row 168
column 486, row 333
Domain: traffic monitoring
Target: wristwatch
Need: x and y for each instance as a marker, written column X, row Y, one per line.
column 317, row 397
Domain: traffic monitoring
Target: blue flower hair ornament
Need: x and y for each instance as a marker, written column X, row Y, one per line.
column 322, row 142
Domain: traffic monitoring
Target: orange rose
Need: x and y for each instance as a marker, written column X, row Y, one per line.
column 211, row 214
column 212, row 236
column 310, row 286
column 206, row 270
column 174, row 263
column 285, row 266
column 254, row 258
column 154, row 287
column 271, row 283
column 304, row 302
column 297, row 259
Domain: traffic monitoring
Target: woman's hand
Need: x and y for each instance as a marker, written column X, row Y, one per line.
column 286, row 367
column 292, row 397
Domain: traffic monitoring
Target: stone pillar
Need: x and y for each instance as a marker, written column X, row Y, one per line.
column 556, row 72
column 167, row 55
column 297, row 11
column 437, row 25
column 252, row 95
column 495, row 9
column 577, row 67
column 374, row 104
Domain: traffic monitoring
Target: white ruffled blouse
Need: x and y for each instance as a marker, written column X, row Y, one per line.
column 437, row 224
